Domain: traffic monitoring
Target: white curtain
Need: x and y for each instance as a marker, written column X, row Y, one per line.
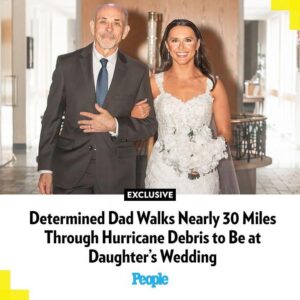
column 281, row 71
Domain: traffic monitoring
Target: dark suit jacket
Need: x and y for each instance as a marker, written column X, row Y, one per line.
column 64, row 148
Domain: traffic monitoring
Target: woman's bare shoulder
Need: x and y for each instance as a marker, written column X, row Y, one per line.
column 154, row 87
column 219, row 84
column 219, row 88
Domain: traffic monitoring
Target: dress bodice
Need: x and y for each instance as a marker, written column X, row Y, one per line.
column 176, row 117
column 184, row 138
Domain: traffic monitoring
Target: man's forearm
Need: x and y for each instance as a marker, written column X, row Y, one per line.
column 131, row 129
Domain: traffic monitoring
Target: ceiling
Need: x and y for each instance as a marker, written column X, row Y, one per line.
column 253, row 9
column 257, row 9
column 66, row 7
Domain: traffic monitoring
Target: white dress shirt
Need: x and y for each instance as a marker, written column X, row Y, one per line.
column 111, row 65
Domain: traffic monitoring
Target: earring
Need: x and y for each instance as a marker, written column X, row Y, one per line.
column 168, row 55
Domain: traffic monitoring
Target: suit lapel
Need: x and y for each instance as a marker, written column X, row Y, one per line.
column 119, row 74
column 86, row 62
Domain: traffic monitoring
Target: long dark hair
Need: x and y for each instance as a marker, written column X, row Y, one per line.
column 200, row 59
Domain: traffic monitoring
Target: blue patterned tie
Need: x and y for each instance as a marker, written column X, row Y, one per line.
column 102, row 82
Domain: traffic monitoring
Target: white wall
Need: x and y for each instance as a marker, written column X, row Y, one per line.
column 297, row 112
column 19, row 70
column 6, row 82
column 49, row 25
column 281, row 74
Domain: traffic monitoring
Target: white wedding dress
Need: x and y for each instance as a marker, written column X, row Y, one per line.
column 185, row 145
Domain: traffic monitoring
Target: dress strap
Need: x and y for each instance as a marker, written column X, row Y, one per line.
column 159, row 78
column 209, row 85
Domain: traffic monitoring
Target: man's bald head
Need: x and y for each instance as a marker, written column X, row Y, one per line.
column 113, row 5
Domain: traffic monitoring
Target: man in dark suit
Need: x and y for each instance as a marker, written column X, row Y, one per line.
column 88, row 134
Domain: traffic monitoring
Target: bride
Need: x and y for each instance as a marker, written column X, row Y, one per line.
column 185, row 155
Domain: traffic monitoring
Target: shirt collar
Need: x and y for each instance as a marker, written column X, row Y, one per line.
column 111, row 59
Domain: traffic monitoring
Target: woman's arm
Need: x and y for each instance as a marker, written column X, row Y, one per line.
column 142, row 109
column 221, row 111
column 154, row 88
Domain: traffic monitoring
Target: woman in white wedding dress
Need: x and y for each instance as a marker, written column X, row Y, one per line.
column 185, row 155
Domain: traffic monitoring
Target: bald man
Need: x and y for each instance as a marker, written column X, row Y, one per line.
column 88, row 134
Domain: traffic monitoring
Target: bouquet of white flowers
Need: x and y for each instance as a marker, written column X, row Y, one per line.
column 194, row 152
